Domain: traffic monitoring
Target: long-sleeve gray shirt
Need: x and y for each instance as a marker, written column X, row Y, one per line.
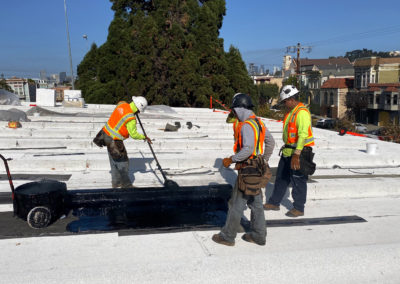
column 247, row 134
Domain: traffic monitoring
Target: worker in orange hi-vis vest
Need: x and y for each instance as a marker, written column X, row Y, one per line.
column 120, row 126
column 298, row 137
column 253, row 143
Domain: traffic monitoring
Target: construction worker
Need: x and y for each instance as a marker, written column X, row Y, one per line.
column 236, row 126
column 252, row 135
column 297, row 136
column 121, row 125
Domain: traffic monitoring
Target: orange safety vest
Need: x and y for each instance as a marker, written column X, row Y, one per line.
column 237, row 125
column 259, row 136
column 116, row 124
column 292, row 128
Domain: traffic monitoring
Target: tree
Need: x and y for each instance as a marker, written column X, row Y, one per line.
column 168, row 51
column 292, row 80
column 360, row 53
column 266, row 92
column 355, row 103
column 3, row 85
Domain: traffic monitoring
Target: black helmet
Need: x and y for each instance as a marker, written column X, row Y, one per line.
column 242, row 100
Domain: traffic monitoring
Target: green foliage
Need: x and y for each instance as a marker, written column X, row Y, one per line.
column 292, row 80
column 315, row 108
column 266, row 111
column 31, row 82
column 168, row 51
column 391, row 133
column 346, row 123
column 355, row 102
column 313, row 75
column 3, row 85
column 267, row 91
column 360, row 53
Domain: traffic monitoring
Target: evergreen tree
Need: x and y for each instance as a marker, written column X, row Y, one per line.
column 166, row 50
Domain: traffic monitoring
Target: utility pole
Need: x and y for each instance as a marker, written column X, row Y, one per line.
column 69, row 47
column 297, row 48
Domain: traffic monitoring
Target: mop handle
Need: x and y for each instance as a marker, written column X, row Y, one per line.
column 8, row 174
column 151, row 148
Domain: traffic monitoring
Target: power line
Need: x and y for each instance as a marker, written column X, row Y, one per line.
column 357, row 36
column 334, row 40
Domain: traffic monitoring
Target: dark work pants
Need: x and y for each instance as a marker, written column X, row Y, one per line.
column 286, row 176
column 237, row 206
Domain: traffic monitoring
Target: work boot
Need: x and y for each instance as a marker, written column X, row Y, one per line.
column 126, row 186
column 220, row 240
column 269, row 206
column 115, row 184
column 249, row 238
column 294, row 213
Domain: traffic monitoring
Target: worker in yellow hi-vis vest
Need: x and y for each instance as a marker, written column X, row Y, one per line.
column 298, row 137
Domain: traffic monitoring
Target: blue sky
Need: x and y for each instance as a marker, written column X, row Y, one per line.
column 33, row 33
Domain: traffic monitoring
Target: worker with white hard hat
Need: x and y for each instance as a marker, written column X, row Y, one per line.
column 298, row 138
column 120, row 126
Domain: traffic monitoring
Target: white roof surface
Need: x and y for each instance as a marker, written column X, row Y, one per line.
column 348, row 182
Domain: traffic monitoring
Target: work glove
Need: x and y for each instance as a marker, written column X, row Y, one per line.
column 227, row 162
column 295, row 163
column 148, row 140
column 238, row 166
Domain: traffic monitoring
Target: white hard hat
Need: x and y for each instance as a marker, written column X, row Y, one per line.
column 288, row 91
column 140, row 103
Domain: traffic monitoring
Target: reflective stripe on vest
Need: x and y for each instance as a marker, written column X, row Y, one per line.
column 116, row 124
column 258, row 148
column 237, row 125
column 292, row 136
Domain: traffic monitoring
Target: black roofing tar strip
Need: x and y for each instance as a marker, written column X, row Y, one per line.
column 12, row 227
column 35, row 177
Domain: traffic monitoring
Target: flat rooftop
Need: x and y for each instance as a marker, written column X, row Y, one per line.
column 329, row 244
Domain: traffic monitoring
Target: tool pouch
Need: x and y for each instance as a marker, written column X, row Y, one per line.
column 254, row 174
column 307, row 166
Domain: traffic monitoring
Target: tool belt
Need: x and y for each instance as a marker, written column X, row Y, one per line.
column 116, row 148
column 254, row 174
column 307, row 166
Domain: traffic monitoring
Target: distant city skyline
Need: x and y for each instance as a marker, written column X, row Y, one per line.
column 35, row 37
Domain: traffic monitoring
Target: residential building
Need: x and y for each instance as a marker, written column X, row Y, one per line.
column 267, row 79
column 377, row 80
column 25, row 90
column 383, row 103
column 314, row 72
column 332, row 97
column 376, row 70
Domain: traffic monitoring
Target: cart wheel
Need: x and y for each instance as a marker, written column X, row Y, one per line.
column 39, row 217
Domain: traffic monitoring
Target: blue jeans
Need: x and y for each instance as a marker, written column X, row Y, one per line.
column 237, row 206
column 284, row 176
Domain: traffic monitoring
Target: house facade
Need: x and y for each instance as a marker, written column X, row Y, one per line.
column 383, row 103
column 332, row 95
column 376, row 70
column 378, row 79
column 25, row 90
